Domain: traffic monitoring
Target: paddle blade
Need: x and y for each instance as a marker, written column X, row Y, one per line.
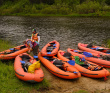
column 48, row 52
column 75, row 72
column 35, row 56
column 11, row 48
column 23, row 62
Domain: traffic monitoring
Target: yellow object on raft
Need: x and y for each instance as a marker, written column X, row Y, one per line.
column 34, row 66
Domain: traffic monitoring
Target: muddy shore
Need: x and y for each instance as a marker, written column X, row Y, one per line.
column 81, row 85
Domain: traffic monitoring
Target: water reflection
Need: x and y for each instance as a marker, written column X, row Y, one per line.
column 67, row 30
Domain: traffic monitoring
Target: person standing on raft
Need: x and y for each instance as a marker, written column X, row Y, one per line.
column 35, row 39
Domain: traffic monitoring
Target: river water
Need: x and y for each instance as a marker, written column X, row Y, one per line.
column 68, row 31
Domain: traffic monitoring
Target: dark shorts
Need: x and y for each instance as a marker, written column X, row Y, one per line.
column 35, row 50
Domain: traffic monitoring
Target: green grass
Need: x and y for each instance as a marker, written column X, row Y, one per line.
column 9, row 83
column 5, row 45
column 106, row 42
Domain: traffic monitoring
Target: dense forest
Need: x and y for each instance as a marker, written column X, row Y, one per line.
column 55, row 7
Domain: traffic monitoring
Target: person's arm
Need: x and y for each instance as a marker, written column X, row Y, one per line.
column 38, row 39
column 31, row 36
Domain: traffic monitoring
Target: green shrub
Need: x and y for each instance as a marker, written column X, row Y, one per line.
column 40, row 6
column 106, row 8
column 64, row 10
column 27, row 9
column 49, row 10
column 33, row 10
column 88, row 7
column 108, row 43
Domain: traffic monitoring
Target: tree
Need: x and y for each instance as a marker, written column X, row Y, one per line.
column 1, row 2
column 107, row 2
column 50, row 2
column 81, row 1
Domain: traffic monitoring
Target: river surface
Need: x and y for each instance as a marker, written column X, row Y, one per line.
column 68, row 31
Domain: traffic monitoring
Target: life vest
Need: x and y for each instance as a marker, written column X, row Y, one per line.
column 34, row 37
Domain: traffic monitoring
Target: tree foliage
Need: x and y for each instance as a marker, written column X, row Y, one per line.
column 107, row 2
column 49, row 2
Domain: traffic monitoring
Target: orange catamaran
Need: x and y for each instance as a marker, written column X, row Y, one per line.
column 93, row 57
column 13, row 52
column 22, row 74
column 50, row 49
column 59, row 68
column 86, row 68
column 94, row 49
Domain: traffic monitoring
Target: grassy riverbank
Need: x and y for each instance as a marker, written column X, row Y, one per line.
column 107, row 43
column 58, row 8
column 9, row 83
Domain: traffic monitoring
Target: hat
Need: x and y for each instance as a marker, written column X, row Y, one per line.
column 33, row 30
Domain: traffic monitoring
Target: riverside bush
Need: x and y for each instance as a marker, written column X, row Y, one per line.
column 64, row 10
column 59, row 7
column 88, row 7
column 49, row 10
column 108, row 43
column 106, row 8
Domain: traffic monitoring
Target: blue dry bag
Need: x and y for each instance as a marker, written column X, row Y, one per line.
column 71, row 62
column 87, row 54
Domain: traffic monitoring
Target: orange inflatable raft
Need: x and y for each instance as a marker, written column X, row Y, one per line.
column 86, row 68
column 50, row 49
column 59, row 68
column 13, row 52
column 22, row 74
column 94, row 49
column 93, row 57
